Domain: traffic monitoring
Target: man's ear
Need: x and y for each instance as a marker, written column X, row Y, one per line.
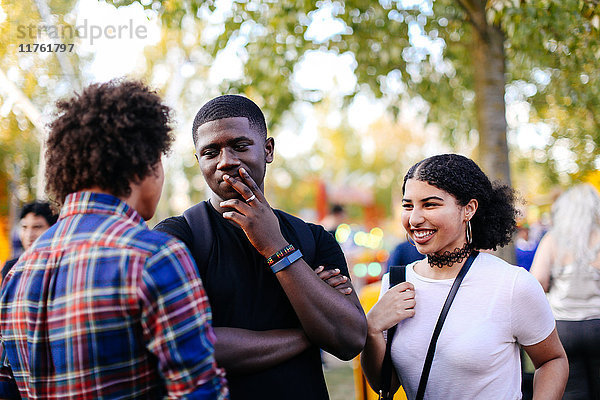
column 269, row 149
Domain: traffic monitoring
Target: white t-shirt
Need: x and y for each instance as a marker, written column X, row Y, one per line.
column 497, row 307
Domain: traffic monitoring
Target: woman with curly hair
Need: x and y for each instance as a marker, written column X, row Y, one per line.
column 567, row 264
column 451, row 209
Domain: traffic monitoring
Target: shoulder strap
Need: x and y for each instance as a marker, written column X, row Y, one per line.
column 397, row 275
column 197, row 217
column 440, row 323
column 202, row 235
column 305, row 235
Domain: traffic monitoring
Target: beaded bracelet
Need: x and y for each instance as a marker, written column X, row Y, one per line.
column 286, row 261
column 280, row 254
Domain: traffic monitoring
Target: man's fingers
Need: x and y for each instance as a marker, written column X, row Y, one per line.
column 238, row 205
column 235, row 217
column 252, row 185
column 337, row 280
column 239, row 186
column 346, row 291
column 326, row 274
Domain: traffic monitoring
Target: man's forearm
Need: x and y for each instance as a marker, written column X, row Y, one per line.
column 242, row 351
column 330, row 319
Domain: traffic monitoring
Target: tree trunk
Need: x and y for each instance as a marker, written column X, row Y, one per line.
column 488, row 74
column 488, row 68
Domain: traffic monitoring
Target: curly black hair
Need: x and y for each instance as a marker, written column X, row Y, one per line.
column 494, row 221
column 230, row 106
column 109, row 135
column 39, row 208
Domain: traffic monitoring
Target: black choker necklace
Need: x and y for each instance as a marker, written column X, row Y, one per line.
column 449, row 258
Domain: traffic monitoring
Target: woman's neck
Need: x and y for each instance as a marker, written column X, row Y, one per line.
column 446, row 272
column 446, row 265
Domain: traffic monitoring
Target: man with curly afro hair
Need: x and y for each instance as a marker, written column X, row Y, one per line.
column 100, row 306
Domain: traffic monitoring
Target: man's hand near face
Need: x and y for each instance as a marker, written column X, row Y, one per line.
column 255, row 216
column 324, row 312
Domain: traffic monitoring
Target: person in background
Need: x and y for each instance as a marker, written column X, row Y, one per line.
column 451, row 209
column 403, row 254
column 15, row 243
column 567, row 264
column 36, row 217
column 335, row 218
column 525, row 247
column 100, row 307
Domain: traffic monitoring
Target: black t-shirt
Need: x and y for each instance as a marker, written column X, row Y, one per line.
column 244, row 293
column 7, row 266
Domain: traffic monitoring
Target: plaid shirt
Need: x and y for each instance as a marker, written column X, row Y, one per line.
column 101, row 307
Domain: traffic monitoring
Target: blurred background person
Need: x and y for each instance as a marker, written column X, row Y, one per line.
column 567, row 264
column 36, row 217
column 525, row 247
column 404, row 254
column 337, row 216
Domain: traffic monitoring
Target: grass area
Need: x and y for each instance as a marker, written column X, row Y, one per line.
column 340, row 382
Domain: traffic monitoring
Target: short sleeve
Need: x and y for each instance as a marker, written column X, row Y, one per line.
column 328, row 252
column 177, row 227
column 531, row 317
column 385, row 285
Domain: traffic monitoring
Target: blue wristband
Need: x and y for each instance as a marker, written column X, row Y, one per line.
column 285, row 261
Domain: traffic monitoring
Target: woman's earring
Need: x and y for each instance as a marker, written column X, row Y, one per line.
column 469, row 233
column 408, row 240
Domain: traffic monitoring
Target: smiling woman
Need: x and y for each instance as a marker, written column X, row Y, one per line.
column 450, row 210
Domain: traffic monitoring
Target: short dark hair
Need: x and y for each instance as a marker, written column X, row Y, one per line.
column 494, row 221
column 337, row 209
column 230, row 106
column 40, row 208
column 109, row 135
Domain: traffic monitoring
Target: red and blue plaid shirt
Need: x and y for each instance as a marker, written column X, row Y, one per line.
column 102, row 307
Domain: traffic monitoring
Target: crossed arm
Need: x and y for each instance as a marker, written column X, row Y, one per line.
column 330, row 318
column 243, row 351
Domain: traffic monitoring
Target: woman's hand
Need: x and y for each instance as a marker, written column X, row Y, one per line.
column 396, row 305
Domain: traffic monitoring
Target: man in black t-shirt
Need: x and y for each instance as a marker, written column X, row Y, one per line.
column 271, row 310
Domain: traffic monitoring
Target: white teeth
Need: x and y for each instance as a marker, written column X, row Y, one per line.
column 422, row 234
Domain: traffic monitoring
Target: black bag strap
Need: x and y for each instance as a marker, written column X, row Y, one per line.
column 397, row 275
column 197, row 217
column 440, row 323
column 305, row 236
column 202, row 235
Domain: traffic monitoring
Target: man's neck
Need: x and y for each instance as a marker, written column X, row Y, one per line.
column 215, row 202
